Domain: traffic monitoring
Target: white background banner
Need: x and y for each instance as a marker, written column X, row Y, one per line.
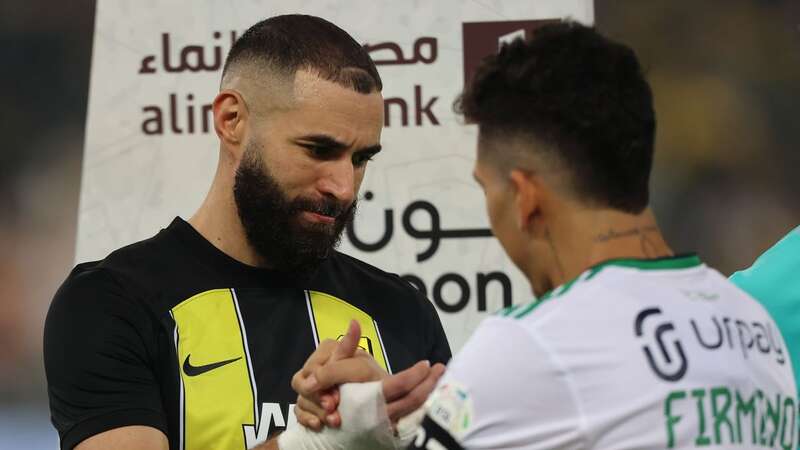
column 151, row 150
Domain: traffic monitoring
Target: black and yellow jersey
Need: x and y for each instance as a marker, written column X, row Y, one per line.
column 174, row 334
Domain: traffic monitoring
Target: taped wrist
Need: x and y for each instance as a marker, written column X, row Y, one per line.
column 365, row 424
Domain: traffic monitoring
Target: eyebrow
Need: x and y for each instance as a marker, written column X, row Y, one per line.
column 329, row 142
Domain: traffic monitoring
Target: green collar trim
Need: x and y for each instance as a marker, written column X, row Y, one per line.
column 670, row 262
column 677, row 262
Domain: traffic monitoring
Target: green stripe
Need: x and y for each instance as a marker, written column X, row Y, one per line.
column 527, row 309
column 507, row 310
column 668, row 263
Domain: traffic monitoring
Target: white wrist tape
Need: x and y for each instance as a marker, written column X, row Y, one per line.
column 365, row 424
column 407, row 427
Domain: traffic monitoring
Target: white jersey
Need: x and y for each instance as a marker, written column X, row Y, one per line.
column 633, row 354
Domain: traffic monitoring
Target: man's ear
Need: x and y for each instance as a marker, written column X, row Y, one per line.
column 527, row 198
column 230, row 119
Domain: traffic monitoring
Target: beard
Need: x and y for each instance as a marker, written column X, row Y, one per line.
column 272, row 222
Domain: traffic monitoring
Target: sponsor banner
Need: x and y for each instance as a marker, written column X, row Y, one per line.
column 151, row 150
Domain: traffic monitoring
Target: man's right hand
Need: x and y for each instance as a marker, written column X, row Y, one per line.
column 335, row 363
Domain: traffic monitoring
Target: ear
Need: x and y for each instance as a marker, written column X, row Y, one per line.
column 230, row 119
column 527, row 198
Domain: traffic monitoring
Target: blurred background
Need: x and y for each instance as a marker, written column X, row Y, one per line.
column 726, row 78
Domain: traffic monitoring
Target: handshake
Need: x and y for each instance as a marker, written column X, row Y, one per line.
column 347, row 401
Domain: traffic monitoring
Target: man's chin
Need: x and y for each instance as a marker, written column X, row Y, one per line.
column 316, row 241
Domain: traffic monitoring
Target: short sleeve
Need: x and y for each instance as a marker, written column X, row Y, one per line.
column 773, row 280
column 503, row 390
column 99, row 370
column 436, row 342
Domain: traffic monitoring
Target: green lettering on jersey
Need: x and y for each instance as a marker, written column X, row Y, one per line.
column 745, row 408
column 669, row 418
column 701, row 440
column 773, row 418
column 788, row 411
column 720, row 413
column 773, row 421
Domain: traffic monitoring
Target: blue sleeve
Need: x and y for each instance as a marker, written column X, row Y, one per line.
column 774, row 280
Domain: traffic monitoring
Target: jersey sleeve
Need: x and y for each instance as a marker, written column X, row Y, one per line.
column 99, row 369
column 436, row 342
column 503, row 390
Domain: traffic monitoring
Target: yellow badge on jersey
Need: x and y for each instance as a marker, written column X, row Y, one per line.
column 330, row 317
column 217, row 387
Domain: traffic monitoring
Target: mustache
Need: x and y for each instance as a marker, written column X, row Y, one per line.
column 326, row 207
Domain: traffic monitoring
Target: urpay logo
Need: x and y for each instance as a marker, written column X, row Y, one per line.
column 671, row 364
column 481, row 39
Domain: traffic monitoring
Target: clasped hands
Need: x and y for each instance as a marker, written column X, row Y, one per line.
column 336, row 363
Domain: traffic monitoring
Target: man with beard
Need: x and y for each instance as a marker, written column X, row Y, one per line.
column 189, row 339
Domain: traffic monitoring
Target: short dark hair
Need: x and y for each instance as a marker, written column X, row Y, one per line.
column 292, row 42
column 581, row 95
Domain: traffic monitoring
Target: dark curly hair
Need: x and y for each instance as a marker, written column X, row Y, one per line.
column 292, row 42
column 581, row 95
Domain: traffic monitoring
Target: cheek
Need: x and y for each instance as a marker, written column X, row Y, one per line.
column 295, row 174
column 508, row 237
column 505, row 229
column 495, row 211
column 498, row 220
column 358, row 177
column 487, row 202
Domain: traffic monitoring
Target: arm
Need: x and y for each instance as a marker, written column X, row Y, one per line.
column 97, row 363
column 134, row 437
column 438, row 349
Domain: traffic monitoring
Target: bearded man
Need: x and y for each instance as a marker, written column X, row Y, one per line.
column 189, row 339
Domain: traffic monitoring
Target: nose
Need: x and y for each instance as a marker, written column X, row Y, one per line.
column 338, row 180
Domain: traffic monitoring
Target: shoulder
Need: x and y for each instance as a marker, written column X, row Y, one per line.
column 85, row 280
column 569, row 296
column 147, row 258
column 125, row 276
column 773, row 274
column 502, row 342
column 373, row 277
column 350, row 263
column 94, row 294
column 505, row 386
column 137, row 269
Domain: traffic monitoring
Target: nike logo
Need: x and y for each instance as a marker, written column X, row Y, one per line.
column 194, row 371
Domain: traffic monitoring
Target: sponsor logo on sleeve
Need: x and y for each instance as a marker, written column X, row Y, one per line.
column 451, row 408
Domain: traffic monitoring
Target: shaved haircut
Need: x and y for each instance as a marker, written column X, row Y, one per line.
column 282, row 45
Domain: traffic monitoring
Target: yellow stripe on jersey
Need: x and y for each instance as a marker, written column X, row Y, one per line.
column 218, row 395
column 332, row 315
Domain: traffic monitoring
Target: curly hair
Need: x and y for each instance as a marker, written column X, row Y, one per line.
column 581, row 95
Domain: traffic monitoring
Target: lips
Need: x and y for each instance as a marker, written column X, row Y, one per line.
column 317, row 217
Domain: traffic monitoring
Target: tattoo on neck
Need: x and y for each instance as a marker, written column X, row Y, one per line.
column 649, row 248
column 614, row 234
column 555, row 253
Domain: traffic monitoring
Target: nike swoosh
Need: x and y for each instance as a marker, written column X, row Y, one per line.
column 194, row 371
